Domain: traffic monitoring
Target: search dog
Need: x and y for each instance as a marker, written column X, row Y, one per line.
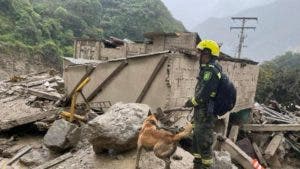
column 161, row 141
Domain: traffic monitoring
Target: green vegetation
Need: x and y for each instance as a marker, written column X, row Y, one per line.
column 279, row 79
column 48, row 27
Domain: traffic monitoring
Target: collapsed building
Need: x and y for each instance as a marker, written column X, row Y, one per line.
column 160, row 72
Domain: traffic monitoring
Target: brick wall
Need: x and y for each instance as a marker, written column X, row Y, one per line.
column 182, row 80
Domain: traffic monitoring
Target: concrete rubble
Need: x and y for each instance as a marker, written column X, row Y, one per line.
column 29, row 98
column 62, row 135
column 271, row 137
column 118, row 128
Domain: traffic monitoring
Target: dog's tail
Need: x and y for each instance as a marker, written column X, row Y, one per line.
column 187, row 131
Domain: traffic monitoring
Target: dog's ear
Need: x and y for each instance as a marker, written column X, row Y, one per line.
column 149, row 113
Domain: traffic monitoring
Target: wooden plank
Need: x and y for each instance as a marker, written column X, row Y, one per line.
column 271, row 127
column 151, row 79
column 87, row 74
column 259, row 154
column 234, row 132
column 236, row 153
column 45, row 95
column 55, row 161
column 273, row 145
column 19, row 155
column 106, row 81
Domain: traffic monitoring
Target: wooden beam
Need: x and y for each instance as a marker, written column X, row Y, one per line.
column 87, row 74
column 19, row 154
column 271, row 127
column 151, row 79
column 273, row 145
column 55, row 161
column 106, row 81
column 234, row 132
column 236, row 153
column 259, row 154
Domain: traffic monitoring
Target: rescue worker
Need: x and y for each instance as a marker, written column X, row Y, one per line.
column 203, row 103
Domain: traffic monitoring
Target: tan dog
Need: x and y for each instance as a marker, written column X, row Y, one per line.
column 162, row 142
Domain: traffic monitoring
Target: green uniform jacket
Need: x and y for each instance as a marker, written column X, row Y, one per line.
column 208, row 82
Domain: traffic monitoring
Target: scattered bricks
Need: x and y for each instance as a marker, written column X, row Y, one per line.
column 62, row 135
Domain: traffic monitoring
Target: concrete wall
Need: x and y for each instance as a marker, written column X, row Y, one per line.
column 87, row 49
column 184, row 70
column 136, row 48
column 174, row 84
column 184, row 40
column 245, row 77
column 113, row 53
column 127, row 85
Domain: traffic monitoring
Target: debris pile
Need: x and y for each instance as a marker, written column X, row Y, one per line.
column 29, row 98
column 272, row 137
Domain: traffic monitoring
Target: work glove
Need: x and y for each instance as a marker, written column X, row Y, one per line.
column 210, row 107
column 188, row 103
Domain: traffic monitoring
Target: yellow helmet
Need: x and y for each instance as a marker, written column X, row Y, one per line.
column 210, row 44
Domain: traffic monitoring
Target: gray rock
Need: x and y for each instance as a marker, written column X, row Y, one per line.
column 222, row 160
column 150, row 161
column 118, row 128
column 62, row 135
column 35, row 157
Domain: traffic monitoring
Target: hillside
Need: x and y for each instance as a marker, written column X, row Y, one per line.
column 279, row 79
column 47, row 28
column 277, row 30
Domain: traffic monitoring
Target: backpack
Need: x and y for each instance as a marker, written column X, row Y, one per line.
column 226, row 96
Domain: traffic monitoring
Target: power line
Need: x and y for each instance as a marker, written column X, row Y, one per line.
column 242, row 32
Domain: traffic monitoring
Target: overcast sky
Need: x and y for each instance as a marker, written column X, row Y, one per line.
column 193, row 12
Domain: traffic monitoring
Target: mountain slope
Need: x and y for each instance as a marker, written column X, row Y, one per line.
column 277, row 30
column 36, row 22
column 193, row 12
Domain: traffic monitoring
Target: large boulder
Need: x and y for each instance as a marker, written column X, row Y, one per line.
column 118, row 128
column 62, row 135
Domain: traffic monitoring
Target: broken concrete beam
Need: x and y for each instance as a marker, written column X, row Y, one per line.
column 40, row 82
column 273, row 145
column 46, row 95
column 6, row 124
column 55, row 161
column 234, row 132
column 236, row 153
column 259, row 154
column 271, row 127
column 62, row 135
column 19, row 155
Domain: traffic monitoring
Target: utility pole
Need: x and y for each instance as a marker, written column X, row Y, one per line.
column 242, row 32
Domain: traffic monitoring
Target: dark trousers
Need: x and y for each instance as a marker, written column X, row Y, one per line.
column 203, row 137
